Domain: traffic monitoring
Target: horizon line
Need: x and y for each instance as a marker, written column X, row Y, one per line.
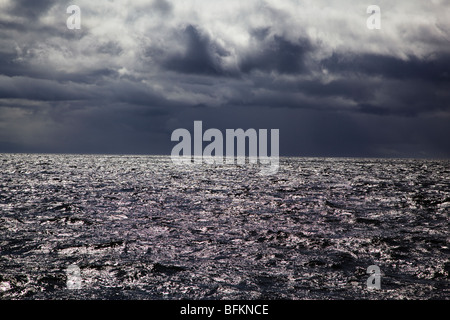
column 246, row 156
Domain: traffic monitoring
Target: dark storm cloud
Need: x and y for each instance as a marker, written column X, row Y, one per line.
column 133, row 93
column 273, row 53
column 201, row 56
column 162, row 7
column 13, row 68
column 31, row 9
column 434, row 69
column 40, row 89
column 277, row 54
column 9, row 65
column 348, row 88
column 374, row 109
column 110, row 48
column 12, row 26
column 137, row 71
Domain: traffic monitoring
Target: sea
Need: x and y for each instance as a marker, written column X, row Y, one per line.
column 133, row 227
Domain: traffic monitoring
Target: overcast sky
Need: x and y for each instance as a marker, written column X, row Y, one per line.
column 137, row 70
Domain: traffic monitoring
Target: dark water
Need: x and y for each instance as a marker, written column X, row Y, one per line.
column 139, row 227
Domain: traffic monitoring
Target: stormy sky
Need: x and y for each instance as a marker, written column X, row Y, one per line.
column 137, row 70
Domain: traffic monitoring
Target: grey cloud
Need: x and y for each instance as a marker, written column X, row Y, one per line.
column 277, row 54
column 435, row 69
column 31, row 9
column 40, row 89
column 129, row 92
column 92, row 91
column 11, row 26
column 201, row 56
column 162, row 7
column 14, row 69
column 373, row 109
column 271, row 53
column 348, row 88
column 110, row 48
column 260, row 33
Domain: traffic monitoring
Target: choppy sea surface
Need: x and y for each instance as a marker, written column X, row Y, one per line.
column 140, row 227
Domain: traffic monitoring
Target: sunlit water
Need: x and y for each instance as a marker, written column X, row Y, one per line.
column 140, row 227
